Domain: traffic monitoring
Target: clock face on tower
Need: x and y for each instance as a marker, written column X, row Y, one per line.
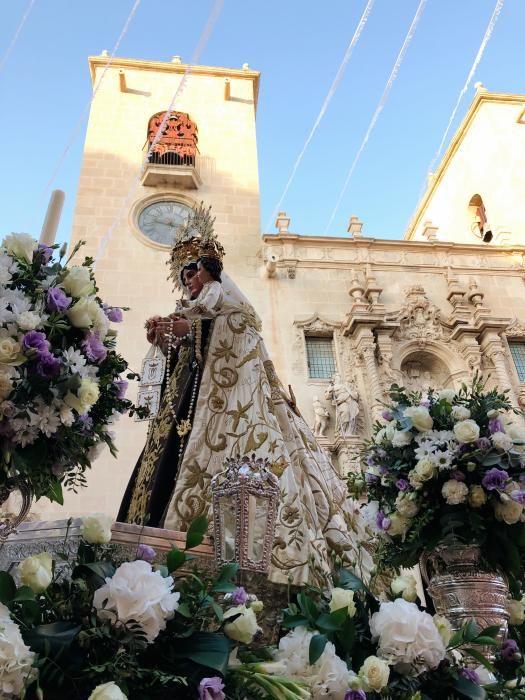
column 160, row 220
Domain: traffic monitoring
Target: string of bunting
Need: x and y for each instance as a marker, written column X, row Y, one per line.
column 388, row 87
column 11, row 46
column 203, row 40
column 76, row 130
column 331, row 92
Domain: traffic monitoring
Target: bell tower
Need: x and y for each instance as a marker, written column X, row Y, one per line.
column 129, row 203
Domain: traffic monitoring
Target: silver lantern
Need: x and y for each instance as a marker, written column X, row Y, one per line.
column 245, row 497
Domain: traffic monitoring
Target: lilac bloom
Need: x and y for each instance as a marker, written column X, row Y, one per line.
column 86, row 423
column 93, row 348
column 382, row 521
column 518, row 495
column 57, row 300
column 371, row 478
column 402, row 485
column 239, row 596
column 48, row 366
column 211, row 689
column 464, row 447
column 495, row 479
column 470, row 675
column 121, row 385
column 457, row 475
column 113, row 313
column 425, row 403
column 35, row 340
column 509, row 649
column 46, row 252
column 495, row 426
column 387, row 414
column 370, row 461
column 483, row 443
column 145, row 552
column 355, row 695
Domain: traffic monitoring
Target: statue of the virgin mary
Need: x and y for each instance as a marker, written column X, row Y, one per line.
column 222, row 398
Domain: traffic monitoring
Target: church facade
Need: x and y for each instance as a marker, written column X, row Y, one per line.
column 432, row 309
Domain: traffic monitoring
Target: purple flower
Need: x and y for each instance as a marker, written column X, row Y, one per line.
column 35, row 340
column 382, row 521
column 86, row 423
column 387, row 414
column 470, row 675
column 46, row 252
column 494, row 479
column 371, row 478
column 457, row 475
column 211, row 689
column 93, row 349
column 48, row 366
column 495, row 426
column 57, row 299
column 113, row 313
column 145, row 552
column 509, row 649
column 402, row 485
column 483, row 443
column 425, row 403
column 239, row 596
column 121, row 386
column 518, row 495
column 355, row 695
column 370, row 460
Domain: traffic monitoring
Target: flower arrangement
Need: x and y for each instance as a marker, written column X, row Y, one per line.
column 156, row 628
column 448, row 465
column 60, row 378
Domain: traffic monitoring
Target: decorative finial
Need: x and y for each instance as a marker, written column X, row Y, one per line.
column 246, row 66
column 480, row 87
column 177, row 60
column 104, row 53
column 282, row 222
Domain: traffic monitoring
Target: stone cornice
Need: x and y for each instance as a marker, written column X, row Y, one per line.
column 164, row 67
column 480, row 98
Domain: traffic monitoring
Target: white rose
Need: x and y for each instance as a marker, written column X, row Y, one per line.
column 87, row 395
column 460, row 413
column 84, row 313
column 100, row 322
column 341, row 598
column 415, row 480
column 509, row 511
column 96, row 528
column 399, row 524
column 380, row 436
column 425, row 469
column 405, row 586
column 420, row 417
column 444, row 628
column 447, row 395
column 28, row 321
column 516, row 610
column 454, row 492
column 245, row 627
column 78, row 282
column 107, row 691
column 136, row 592
column 36, row 572
column 10, row 351
column 466, row 431
column 502, row 441
column 20, row 245
column 6, row 385
column 374, row 674
column 477, row 496
column 401, row 438
column 407, row 636
column 16, row 659
column 406, row 505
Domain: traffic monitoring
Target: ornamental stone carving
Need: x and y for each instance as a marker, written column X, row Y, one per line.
column 179, row 135
column 515, row 329
column 345, row 398
column 313, row 326
column 321, row 417
column 419, row 318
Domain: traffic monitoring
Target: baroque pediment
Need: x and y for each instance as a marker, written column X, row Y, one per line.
column 317, row 325
column 515, row 329
column 419, row 318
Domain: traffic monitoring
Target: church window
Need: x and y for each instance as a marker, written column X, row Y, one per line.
column 320, row 357
column 478, row 218
column 178, row 143
column 517, row 350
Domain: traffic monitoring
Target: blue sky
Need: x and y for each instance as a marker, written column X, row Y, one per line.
column 297, row 45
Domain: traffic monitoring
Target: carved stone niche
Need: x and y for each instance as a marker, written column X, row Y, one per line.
column 421, row 370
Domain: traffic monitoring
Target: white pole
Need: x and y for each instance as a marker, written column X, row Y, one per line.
column 54, row 210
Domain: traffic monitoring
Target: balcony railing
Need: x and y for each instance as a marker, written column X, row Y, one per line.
column 171, row 168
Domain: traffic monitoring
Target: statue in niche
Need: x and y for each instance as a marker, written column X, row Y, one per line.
column 322, row 417
column 417, row 377
column 345, row 398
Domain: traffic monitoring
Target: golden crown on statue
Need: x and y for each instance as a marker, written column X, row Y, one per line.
column 195, row 238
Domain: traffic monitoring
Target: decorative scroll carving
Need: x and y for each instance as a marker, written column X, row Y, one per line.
column 179, row 136
column 515, row 329
column 419, row 318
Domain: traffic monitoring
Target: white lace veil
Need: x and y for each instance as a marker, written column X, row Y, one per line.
column 232, row 293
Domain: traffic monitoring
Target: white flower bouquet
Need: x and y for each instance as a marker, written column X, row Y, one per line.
column 60, row 378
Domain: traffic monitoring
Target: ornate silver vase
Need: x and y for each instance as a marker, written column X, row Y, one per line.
column 462, row 589
column 10, row 520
